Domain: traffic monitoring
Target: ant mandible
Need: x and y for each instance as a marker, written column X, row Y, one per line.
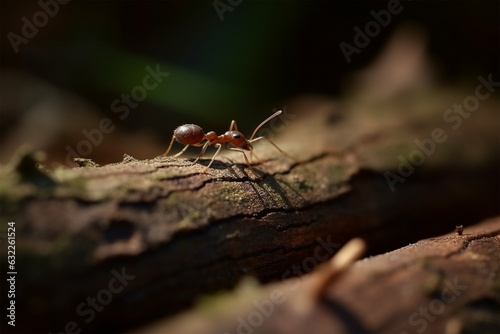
column 193, row 135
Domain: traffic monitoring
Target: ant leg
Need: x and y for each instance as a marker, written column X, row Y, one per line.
column 252, row 154
column 202, row 151
column 169, row 147
column 180, row 153
column 246, row 159
column 219, row 146
column 276, row 146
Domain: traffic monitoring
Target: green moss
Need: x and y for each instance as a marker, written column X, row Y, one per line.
column 78, row 183
column 234, row 192
column 188, row 221
column 302, row 186
column 171, row 202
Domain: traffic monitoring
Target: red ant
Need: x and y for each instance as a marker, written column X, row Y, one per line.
column 192, row 135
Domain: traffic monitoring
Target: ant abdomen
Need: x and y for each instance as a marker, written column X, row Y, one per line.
column 189, row 134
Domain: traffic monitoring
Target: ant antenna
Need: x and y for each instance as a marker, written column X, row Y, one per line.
column 264, row 122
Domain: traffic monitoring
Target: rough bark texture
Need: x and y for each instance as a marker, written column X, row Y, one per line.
column 448, row 284
column 181, row 233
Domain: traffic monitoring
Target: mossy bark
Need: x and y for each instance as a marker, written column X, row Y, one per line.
column 182, row 233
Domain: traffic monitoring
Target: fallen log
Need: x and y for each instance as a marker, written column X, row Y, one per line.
column 169, row 233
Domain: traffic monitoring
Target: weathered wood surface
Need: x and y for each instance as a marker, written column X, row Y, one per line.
column 448, row 284
column 182, row 233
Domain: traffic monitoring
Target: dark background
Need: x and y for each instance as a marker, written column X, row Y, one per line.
column 261, row 55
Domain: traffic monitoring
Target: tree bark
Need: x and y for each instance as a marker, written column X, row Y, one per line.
column 446, row 284
column 182, row 233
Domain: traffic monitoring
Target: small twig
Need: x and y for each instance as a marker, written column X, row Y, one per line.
column 334, row 268
column 326, row 274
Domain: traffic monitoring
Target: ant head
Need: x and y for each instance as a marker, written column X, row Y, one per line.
column 189, row 134
column 237, row 139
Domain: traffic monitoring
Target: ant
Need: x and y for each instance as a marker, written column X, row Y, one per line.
column 193, row 135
